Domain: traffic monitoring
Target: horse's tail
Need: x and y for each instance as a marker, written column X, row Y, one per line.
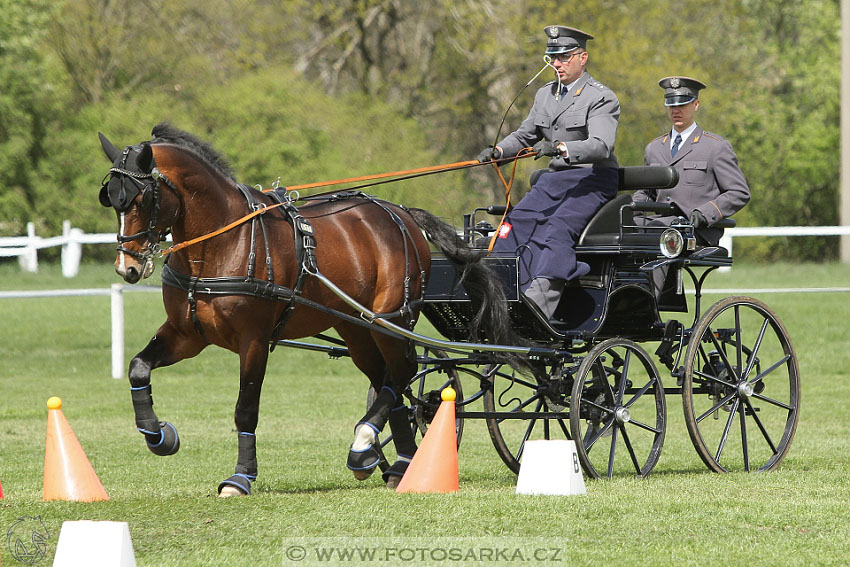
column 484, row 289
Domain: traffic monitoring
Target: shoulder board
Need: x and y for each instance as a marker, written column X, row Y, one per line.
column 662, row 137
column 594, row 83
column 713, row 136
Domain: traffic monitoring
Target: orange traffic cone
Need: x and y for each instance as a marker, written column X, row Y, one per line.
column 68, row 474
column 434, row 466
column 1, row 492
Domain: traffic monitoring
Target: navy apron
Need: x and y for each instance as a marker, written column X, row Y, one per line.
column 543, row 228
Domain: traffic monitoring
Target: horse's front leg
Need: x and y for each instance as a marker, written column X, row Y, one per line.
column 166, row 347
column 253, row 359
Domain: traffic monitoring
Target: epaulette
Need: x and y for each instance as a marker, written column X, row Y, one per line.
column 713, row 136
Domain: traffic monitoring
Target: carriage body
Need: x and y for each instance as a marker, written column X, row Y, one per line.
column 733, row 366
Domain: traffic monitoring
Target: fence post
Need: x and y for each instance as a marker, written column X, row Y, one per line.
column 29, row 259
column 117, row 302
column 72, row 250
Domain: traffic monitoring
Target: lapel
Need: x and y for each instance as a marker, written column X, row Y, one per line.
column 687, row 146
column 569, row 100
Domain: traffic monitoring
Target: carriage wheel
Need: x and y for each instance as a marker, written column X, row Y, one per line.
column 515, row 396
column 619, row 414
column 423, row 395
column 741, row 387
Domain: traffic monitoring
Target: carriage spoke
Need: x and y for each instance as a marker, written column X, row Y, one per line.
column 742, row 411
column 621, row 390
column 640, row 393
column 716, row 407
column 725, row 437
column 631, row 450
column 761, row 427
column 739, row 342
column 771, row 401
column 712, row 378
column 723, row 357
column 590, row 441
column 772, row 367
column 528, row 430
column 611, row 452
column 644, row 426
column 756, row 348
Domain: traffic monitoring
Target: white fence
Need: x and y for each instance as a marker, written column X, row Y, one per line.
column 26, row 247
column 116, row 293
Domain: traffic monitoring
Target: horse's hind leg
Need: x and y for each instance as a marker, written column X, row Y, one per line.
column 253, row 358
column 166, row 347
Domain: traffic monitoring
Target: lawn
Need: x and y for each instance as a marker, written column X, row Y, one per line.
column 680, row 515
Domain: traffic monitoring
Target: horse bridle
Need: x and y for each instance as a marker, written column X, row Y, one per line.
column 150, row 200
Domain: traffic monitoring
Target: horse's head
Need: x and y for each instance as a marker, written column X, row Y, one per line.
column 133, row 188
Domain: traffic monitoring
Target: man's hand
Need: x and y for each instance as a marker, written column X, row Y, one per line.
column 698, row 219
column 489, row 153
column 546, row 148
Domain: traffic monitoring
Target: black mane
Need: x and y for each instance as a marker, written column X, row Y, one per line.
column 167, row 133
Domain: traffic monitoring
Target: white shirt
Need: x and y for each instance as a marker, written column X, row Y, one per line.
column 685, row 134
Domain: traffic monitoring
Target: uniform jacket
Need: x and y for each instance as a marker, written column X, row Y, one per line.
column 710, row 180
column 585, row 119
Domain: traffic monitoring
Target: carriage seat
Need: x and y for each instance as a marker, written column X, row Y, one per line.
column 604, row 227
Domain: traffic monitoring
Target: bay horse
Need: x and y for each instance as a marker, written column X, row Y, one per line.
column 245, row 288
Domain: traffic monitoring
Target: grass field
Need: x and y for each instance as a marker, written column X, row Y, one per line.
column 681, row 515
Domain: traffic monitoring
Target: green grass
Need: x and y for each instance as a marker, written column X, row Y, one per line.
column 681, row 515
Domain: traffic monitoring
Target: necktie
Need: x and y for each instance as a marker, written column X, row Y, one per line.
column 674, row 150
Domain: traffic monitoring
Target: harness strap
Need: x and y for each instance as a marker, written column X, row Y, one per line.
column 305, row 257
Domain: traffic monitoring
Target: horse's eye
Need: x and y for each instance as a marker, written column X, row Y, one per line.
column 147, row 197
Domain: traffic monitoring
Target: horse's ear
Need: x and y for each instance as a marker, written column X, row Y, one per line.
column 111, row 151
column 145, row 158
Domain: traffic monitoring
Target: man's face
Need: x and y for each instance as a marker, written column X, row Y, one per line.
column 569, row 66
column 682, row 116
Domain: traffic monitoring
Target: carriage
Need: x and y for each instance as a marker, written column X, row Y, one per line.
column 282, row 274
column 733, row 364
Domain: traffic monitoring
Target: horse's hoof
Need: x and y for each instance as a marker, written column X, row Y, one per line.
column 168, row 443
column 364, row 474
column 392, row 476
column 363, row 463
column 228, row 491
column 236, row 485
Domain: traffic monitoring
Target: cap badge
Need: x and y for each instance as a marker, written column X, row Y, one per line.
column 553, row 32
column 674, row 83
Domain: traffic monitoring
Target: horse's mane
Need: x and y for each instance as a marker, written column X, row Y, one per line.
column 165, row 132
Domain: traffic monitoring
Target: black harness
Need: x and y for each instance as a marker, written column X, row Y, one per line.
column 305, row 255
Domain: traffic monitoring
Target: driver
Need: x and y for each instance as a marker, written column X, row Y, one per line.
column 574, row 122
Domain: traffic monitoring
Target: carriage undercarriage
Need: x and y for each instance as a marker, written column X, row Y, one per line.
column 592, row 379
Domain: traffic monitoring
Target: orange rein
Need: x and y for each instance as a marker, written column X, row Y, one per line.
column 421, row 170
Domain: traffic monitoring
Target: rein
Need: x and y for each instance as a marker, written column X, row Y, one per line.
column 395, row 175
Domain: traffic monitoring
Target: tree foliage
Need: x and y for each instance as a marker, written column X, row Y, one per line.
column 308, row 91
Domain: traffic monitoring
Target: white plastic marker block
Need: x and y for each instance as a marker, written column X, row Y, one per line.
column 94, row 544
column 550, row 467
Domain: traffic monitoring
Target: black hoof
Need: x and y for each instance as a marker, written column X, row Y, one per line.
column 168, row 442
column 364, row 462
column 240, row 482
column 392, row 476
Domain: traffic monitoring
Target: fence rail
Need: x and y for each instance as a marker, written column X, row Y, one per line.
column 72, row 239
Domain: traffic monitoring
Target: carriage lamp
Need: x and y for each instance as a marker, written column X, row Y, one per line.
column 671, row 243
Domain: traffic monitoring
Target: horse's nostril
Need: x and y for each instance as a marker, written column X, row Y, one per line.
column 131, row 275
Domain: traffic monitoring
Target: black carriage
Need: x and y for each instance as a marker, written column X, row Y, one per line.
column 593, row 382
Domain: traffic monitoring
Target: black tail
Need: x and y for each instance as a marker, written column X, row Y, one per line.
column 484, row 289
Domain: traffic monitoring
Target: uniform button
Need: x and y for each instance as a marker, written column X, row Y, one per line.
column 668, row 199
column 556, row 126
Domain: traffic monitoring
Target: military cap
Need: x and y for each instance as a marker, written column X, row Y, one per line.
column 561, row 39
column 680, row 90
